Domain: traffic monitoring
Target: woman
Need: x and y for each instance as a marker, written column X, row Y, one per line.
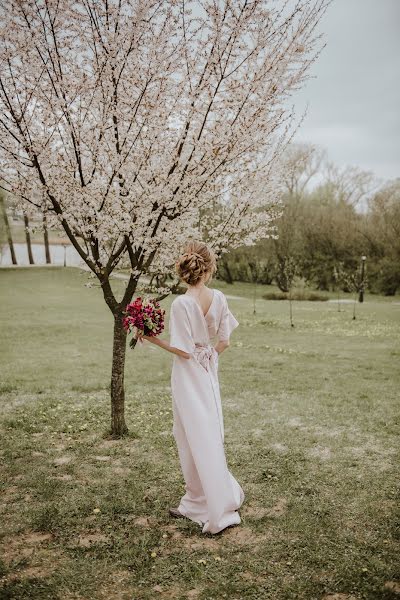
column 213, row 496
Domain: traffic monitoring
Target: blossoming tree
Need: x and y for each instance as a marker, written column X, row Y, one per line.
column 141, row 122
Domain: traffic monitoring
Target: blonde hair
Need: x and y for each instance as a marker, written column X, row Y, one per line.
column 196, row 260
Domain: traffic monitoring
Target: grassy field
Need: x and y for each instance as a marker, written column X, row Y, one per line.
column 311, row 431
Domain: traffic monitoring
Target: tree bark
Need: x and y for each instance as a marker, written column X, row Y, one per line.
column 281, row 282
column 118, row 425
column 46, row 239
column 8, row 231
column 228, row 275
column 28, row 239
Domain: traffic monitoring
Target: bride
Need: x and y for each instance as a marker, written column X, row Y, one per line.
column 213, row 496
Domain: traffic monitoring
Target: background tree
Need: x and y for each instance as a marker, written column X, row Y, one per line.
column 289, row 272
column 28, row 238
column 6, row 226
column 303, row 162
column 349, row 184
column 330, row 216
column 3, row 233
column 235, row 265
column 46, row 236
column 300, row 164
column 132, row 117
column 330, row 234
column 381, row 230
column 339, row 276
column 356, row 281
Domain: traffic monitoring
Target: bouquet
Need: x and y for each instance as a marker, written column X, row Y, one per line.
column 143, row 317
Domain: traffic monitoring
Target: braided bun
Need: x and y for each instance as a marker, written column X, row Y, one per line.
column 196, row 261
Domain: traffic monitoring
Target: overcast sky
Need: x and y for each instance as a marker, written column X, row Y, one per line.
column 354, row 101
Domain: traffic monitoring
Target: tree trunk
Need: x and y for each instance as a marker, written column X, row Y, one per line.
column 28, row 239
column 118, row 425
column 8, row 232
column 228, row 275
column 46, row 239
column 281, row 282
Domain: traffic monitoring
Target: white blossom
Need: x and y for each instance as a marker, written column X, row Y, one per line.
column 137, row 124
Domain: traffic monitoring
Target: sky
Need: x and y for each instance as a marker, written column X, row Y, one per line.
column 354, row 98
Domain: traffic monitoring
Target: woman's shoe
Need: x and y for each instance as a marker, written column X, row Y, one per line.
column 174, row 512
column 227, row 527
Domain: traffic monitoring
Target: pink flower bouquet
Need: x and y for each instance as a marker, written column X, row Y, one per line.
column 143, row 317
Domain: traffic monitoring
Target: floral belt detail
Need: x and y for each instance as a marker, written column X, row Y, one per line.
column 203, row 353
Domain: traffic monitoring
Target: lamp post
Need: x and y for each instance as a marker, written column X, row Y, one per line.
column 65, row 255
column 361, row 294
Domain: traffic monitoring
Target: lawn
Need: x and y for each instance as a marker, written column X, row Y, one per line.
column 311, row 434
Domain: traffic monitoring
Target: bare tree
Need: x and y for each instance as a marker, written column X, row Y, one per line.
column 302, row 163
column 351, row 185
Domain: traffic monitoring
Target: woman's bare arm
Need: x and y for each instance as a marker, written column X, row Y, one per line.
column 165, row 346
column 220, row 346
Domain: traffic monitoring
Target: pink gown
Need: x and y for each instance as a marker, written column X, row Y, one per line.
column 213, row 495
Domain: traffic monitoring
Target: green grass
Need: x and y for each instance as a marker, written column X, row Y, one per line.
column 311, row 431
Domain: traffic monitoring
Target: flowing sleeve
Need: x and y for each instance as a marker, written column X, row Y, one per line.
column 228, row 322
column 179, row 328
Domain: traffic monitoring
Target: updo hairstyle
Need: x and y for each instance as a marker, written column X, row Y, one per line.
column 196, row 260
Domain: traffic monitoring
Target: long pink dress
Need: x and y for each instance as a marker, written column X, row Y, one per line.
column 213, row 495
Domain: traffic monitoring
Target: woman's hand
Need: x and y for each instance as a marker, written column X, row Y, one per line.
column 216, row 355
column 221, row 346
column 142, row 337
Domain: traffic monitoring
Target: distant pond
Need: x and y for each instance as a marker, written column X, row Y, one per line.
column 56, row 254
